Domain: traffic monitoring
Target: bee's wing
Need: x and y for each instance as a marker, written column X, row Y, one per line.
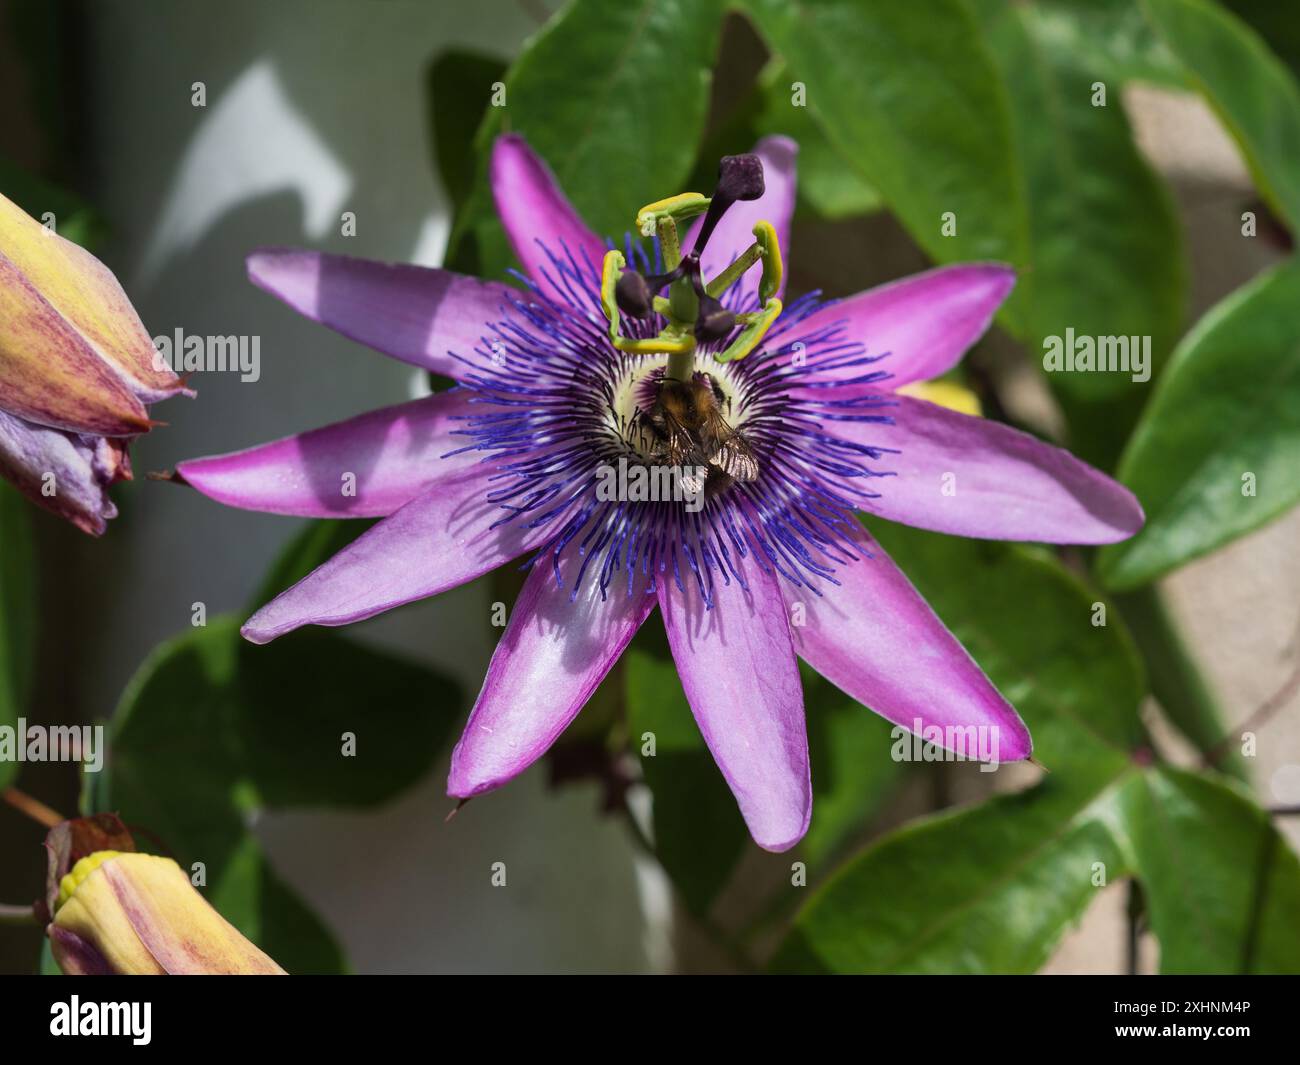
column 680, row 445
column 727, row 449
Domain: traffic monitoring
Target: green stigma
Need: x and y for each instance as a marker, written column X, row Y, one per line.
column 692, row 310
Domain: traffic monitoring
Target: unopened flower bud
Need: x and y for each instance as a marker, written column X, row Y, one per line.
column 77, row 371
column 120, row 912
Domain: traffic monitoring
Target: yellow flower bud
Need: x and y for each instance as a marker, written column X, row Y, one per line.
column 138, row 914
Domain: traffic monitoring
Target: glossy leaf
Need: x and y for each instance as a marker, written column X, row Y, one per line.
column 614, row 98
column 1112, row 38
column 989, row 889
column 853, row 772
column 1028, row 623
column 460, row 90
column 698, row 832
column 212, row 727
column 1217, row 450
column 830, row 186
column 174, row 766
column 909, row 96
column 1253, row 92
column 299, row 697
column 1105, row 247
column 993, row 888
column 1222, row 885
column 175, row 778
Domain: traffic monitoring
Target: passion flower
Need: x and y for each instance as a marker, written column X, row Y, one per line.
column 580, row 369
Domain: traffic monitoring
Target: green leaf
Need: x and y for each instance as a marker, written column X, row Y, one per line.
column 909, row 96
column 1222, row 884
column 1028, row 623
column 1176, row 678
column 830, row 187
column 1227, row 407
column 1275, row 23
column 1253, row 93
column 699, row 834
column 174, row 765
column 256, row 901
column 272, row 721
column 993, row 888
column 211, row 727
column 852, row 771
column 73, row 218
column 698, row 831
column 1112, row 38
column 614, row 98
column 1105, row 247
column 317, row 542
column 986, row 890
column 459, row 90
column 18, row 617
column 300, row 695
column 175, row 777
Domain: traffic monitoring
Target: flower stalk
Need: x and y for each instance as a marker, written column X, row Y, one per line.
column 33, row 808
column 18, row 914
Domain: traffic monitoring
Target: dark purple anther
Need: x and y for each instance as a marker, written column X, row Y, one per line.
column 634, row 292
column 633, row 295
column 715, row 321
column 740, row 177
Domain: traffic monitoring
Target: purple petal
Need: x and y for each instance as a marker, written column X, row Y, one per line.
column 875, row 638
column 417, row 314
column 739, row 672
column 735, row 233
column 384, row 459
column 75, row 956
column 437, row 541
column 925, row 322
column 64, row 472
column 973, row 477
column 533, row 209
column 550, row 659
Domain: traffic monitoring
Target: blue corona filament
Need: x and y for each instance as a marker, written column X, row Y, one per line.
column 547, row 379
